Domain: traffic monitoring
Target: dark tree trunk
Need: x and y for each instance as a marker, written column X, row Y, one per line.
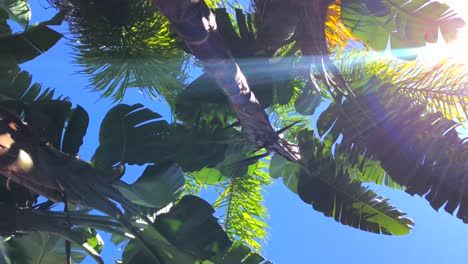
column 195, row 24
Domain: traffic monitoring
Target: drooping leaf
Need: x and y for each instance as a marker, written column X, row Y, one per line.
column 408, row 24
column 25, row 46
column 15, row 85
column 134, row 135
column 75, row 131
column 190, row 226
column 157, row 187
column 330, row 191
column 45, row 248
column 417, row 149
column 48, row 118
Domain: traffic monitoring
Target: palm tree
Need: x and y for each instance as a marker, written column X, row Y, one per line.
column 395, row 119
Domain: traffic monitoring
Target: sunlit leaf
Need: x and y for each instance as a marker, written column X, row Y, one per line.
column 420, row 150
column 409, row 25
column 18, row 11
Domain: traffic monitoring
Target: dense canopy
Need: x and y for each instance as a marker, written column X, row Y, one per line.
column 327, row 95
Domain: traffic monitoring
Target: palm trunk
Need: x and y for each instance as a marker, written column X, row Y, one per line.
column 195, row 24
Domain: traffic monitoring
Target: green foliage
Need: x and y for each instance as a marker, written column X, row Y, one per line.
column 288, row 171
column 125, row 44
column 40, row 247
column 136, row 135
column 76, row 129
column 417, row 149
column 242, row 199
column 308, row 101
column 124, row 139
column 157, row 187
column 27, row 45
column 407, row 24
column 328, row 189
column 18, row 11
column 239, row 253
column 190, row 226
column 441, row 87
column 197, row 232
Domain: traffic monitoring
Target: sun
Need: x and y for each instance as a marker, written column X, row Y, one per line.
column 456, row 50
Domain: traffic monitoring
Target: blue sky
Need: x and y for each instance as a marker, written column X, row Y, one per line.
column 297, row 233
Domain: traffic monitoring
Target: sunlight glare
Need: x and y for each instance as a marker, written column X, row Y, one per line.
column 456, row 50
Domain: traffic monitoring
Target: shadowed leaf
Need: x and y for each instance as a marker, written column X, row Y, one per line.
column 329, row 190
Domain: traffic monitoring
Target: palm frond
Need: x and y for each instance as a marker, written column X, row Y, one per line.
column 242, row 200
column 441, row 86
column 130, row 46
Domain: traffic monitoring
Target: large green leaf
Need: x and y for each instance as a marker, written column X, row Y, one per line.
column 18, row 10
column 49, row 117
column 15, row 85
column 329, row 190
column 5, row 29
column 43, row 248
column 134, row 135
column 190, row 226
column 157, row 187
column 408, row 24
column 420, row 150
column 201, row 146
column 288, row 171
column 75, row 131
column 31, row 43
column 208, row 176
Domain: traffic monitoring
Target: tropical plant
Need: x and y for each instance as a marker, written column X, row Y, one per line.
column 388, row 121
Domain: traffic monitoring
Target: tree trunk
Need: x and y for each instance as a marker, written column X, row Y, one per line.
column 195, row 24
